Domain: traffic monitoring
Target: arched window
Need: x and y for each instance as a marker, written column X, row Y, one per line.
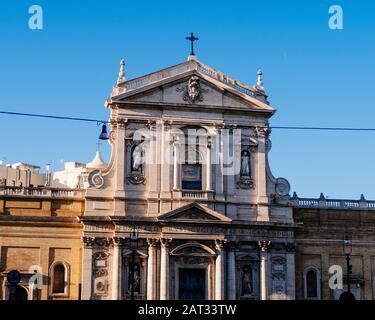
column 312, row 283
column 58, row 285
column 59, row 275
column 311, row 286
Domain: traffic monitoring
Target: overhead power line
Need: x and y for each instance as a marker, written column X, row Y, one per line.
column 51, row 116
column 98, row 121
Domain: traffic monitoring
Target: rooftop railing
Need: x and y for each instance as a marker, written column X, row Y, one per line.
column 182, row 68
column 323, row 202
column 44, row 192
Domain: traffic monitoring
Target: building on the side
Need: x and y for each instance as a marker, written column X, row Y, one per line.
column 187, row 207
column 21, row 174
column 70, row 177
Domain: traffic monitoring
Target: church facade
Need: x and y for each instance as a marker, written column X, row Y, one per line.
column 204, row 224
column 187, row 207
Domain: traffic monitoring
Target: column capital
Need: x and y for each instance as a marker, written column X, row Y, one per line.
column 100, row 241
column 117, row 241
column 232, row 245
column 263, row 132
column 209, row 142
column 290, row 247
column 88, row 242
column 152, row 242
column 219, row 244
column 175, row 141
column 264, row 245
column 165, row 242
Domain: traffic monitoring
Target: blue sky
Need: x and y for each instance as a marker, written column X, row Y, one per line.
column 314, row 76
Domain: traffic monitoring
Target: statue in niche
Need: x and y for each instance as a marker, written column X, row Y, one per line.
column 247, row 281
column 245, row 164
column 137, row 159
column 135, row 281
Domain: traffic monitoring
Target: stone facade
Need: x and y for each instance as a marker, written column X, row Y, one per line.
column 187, row 207
column 322, row 225
column 37, row 232
column 217, row 226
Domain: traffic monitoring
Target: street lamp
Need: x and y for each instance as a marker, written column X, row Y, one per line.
column 133, row 245
column 347, row 248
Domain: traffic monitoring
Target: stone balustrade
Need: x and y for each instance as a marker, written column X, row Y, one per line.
column 323, row 202
column 44, row 192
column 195, row 194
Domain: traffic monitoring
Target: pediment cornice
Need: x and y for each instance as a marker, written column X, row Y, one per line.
column 194, row 212
column 170, row 76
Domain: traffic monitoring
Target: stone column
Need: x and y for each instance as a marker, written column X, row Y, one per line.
column 116, row 269
column 119, row 130
column 219, row 270
column 153, row 155
column 264, row 247
column 176, row 156
column 164, row 269
column 326, row 291
column 261, row 183
column 231, row 272
column 219, row 183
column 117, row 136
column 86, row 292
column 208, row 165
column 166, row 162
column 290, row 271
column 151, row 268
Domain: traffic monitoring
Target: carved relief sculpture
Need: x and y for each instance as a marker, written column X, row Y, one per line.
column 100, row 272
column 194, row 88
column 193, row 91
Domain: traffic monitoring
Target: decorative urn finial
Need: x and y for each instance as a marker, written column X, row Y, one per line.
column 259, row 85
column 121, row 74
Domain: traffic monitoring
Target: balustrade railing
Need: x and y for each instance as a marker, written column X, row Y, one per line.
column 323, row 202
column 195, row 194
column 41, row 192
column 179, row 69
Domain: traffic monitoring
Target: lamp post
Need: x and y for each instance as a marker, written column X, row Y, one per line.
column 133, row 244
column 347, row 248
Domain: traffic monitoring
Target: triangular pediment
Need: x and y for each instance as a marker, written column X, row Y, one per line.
column 194, row 212
column 169, row 86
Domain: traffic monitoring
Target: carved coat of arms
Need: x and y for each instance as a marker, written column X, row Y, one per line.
column 193, row 91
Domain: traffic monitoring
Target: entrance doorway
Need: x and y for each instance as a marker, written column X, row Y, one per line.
column 192, row 284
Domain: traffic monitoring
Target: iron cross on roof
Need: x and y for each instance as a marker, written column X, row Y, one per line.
column 192, row 38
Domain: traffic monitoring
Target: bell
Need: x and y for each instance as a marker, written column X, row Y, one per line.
column 104, row 135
